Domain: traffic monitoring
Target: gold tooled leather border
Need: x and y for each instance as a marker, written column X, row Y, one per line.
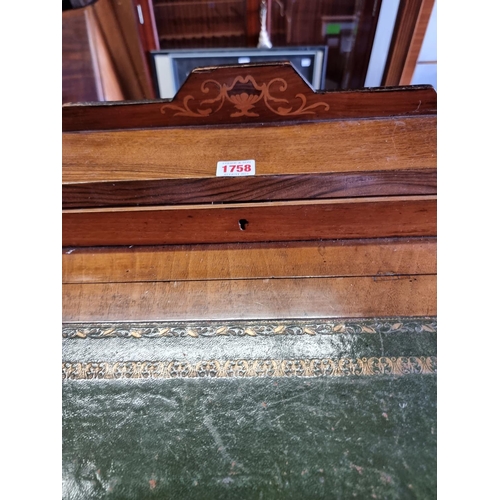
column 243, row 368
column 248, row 328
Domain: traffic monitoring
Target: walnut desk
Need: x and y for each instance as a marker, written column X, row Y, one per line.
column 266, row 335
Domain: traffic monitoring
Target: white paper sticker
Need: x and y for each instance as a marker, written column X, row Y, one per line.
column 235, row 168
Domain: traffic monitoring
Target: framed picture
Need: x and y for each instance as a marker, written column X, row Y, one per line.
column 172, row 67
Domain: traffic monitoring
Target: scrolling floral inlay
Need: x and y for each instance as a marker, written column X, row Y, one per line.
column 241, row 368
column 250, row 328
column 243, row 94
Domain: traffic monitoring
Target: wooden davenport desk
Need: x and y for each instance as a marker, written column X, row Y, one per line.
column 259, row 336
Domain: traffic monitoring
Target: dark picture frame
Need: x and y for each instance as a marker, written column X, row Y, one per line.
column 172, row 67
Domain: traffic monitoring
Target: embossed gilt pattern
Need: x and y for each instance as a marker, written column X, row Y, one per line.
column 252, row 329
column 238, row 368
column 244, row 93
column 242, row 368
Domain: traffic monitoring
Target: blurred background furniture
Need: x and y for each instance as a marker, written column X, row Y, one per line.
column 108, row 46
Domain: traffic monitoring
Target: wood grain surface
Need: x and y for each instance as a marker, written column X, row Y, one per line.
column 252, row 222
column 117, row 20
column 399, row 50
column 341, row 146
column 148, row 31
column 80, row 80
column 340, row 220
column 199, row 103
column 251, row 260
column 109, row 81
column 252, row 188
column 416, row 42
column 365, row 35
column 251, row 299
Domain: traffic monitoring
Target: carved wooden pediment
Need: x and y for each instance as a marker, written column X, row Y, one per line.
column 249, row 93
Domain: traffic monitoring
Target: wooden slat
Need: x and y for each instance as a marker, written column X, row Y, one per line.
column 117, row 23
column 252, row 222
column 362, row 49
column 252, row 260
column 148, row 33
column 342, row 146
column 127, row 17
column 251, row 299
column 406, row 21
column 253, row 22
column 255, row 188
column 148, row 30
column 416, row 42
column 80, row 80
column 111, row 89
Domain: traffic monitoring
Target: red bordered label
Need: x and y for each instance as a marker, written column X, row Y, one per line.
column 235, row 168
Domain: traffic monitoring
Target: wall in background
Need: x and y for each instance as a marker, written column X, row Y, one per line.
column 425, row 71
column 381, row 43
column 426, row 68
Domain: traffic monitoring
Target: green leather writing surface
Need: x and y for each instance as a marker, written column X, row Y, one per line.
column 336, row 415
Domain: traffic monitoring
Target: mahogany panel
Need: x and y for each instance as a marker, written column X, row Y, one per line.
column 251, row 299
column 253, row 93
column 274, row 221
column 250, row 260
column 340, row 146
column 258, row 188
